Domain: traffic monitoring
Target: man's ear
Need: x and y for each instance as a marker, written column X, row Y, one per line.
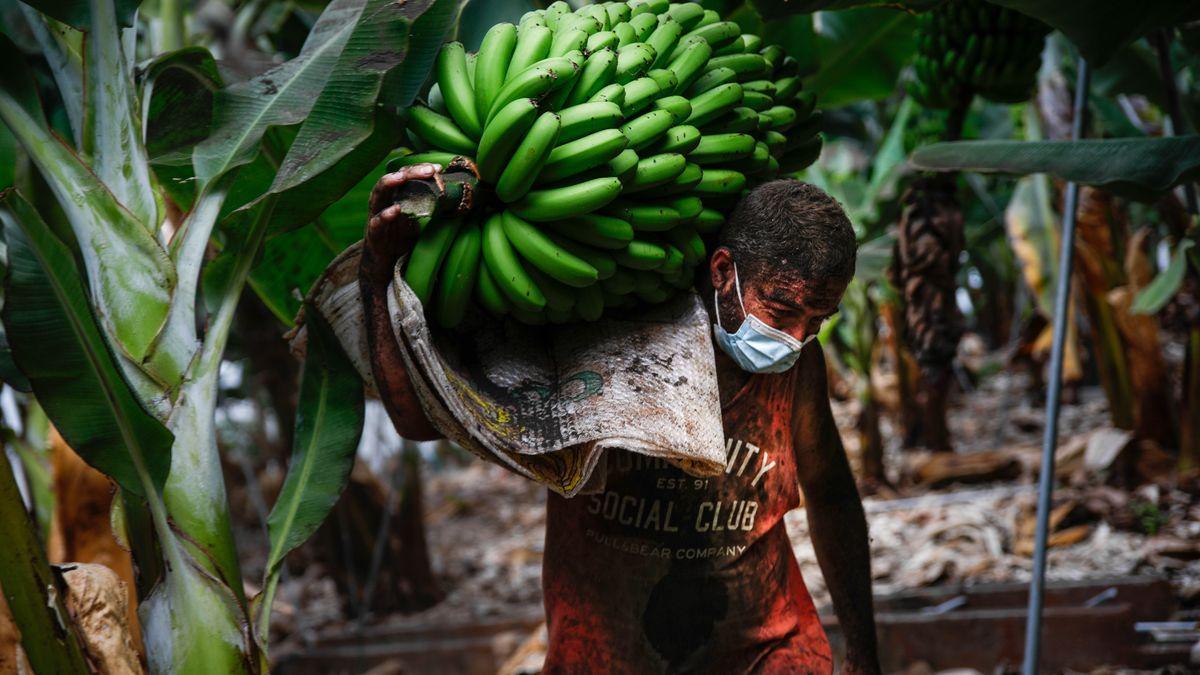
column 720, row 267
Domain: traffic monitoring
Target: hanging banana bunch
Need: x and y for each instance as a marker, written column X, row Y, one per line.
column 968, row 47
column 609, row 141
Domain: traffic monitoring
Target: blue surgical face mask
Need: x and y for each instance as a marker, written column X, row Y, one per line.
column 756, row 347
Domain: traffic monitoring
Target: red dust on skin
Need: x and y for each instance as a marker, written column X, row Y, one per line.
column 778, row 298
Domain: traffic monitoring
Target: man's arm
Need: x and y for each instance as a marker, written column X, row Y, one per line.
column 835, row 515
column 390, row 234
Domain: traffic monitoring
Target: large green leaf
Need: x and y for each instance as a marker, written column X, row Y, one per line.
column 62, row 47
column 112, row 133
column 774, row 9
column 432, row 21
column 283, row 95
column 30, row 591
column 1158, row 292
column 861, row 53
column 329, row 421
column 57, row 343
column 178, row 89
column 1100, row 27
column 1136, row 167
column 795, row 33
column 129, row 274
column 78, row 13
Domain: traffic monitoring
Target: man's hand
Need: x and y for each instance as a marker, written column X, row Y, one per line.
column 391, row 233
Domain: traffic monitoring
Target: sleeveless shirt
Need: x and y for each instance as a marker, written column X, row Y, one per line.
column 664, row 572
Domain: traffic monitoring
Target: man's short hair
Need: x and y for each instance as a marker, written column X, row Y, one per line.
column 787, row 224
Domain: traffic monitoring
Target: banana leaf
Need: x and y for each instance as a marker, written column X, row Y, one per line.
column 1101, row 27
column 1139, row 168
column 775, row 9
column 329, row 421
column 78, row 13
column 861, row 53
column 58, row 345
column 178, row 89
column 1160, row 291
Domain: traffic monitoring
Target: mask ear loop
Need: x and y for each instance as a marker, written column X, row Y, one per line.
column 737, row 284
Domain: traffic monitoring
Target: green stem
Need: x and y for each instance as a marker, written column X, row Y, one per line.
column 174, row 28
column 47, row 633
column 1189, row 446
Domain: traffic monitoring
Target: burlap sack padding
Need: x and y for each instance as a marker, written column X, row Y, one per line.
column 546, row 401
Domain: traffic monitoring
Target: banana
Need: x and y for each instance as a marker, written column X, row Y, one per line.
column 773, row 54
column 647, row 128
column 786, row 89
column 507, row 271
column 710, row 17
column 535, row 17
column 587, row 118
column 674, row 262
column 562, row 88
column 688, row 14
column 747, row 66
column 618, row 12
column 717, row 34
column 740, row 120
column 589, row 303
column 681, row 139
column 666, row 79
column 529, row 83
column 650, row 289
column 529, row 318
column 689, row 243
column 597, row 230
column 620, row 283
column 487, row 291
column 760, row 87
column 756, row 102
column 555, row 12
column 789, row 67
column 567, row 201
column 625, row 33
column 781, row 117
column 533, row 45
column 528, row 158
column 582, row 154
column 457, row 279
column 589, row 25
column 715, row 102
column 569, row 41
column 738, row 46
column 645, row 217
column 421, row 273
column 543, row 254
column 722, row 148
column 685, row 181
column 638, row 95
column 432, row 157
column 804, row 104
column 808, row 127
column 644, row 25
column 656, row 170
column 718, row 182
column 601, row 260
column 641, row 255
column 605, row 39
column 501, row 137
column 756, row 162
column 613, row 93
column 688, row 207
column 688, row 62
column 663, row 39
column 753, row 43
column 679, row 107
column 597, row 72
column 435, row 100
column 802, row 156
column 495, row 53
column 623, row 166
column 633, row 60
column 559, row 296
column 439, row 131
column 712, row 78
column 709, row 221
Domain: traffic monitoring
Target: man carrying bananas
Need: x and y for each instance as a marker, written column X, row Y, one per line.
column 667, row 572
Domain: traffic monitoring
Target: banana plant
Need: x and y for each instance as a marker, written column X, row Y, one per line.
column 118, row 323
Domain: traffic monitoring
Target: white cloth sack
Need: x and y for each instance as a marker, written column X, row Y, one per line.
column 547, row 401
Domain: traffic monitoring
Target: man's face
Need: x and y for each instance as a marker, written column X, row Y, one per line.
column 779, row 298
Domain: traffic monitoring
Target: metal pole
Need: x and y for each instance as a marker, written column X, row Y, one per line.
column 1062, row 294
column 1162, row 44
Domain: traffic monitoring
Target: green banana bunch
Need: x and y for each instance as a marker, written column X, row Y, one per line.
column 968, row 47
column 611, row 142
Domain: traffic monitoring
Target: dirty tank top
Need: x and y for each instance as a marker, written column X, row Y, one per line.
column 663, row 572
